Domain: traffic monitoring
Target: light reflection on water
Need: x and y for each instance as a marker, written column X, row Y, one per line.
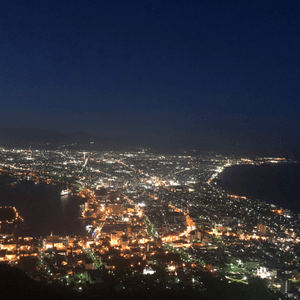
column 43, row 208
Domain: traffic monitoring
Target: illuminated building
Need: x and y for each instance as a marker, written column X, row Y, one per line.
column 148, row 271
column 262, row 228
column 114, row 239
column 116, row 208
column 129, row 230
column 252, row 264
column 54, row 241
column 124, row 242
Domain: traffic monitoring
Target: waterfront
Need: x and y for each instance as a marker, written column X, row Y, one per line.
column 43, row 208
column 144, row 208
column 273, row 183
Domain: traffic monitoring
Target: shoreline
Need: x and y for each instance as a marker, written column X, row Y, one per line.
column 60, row 213
column 216, row 178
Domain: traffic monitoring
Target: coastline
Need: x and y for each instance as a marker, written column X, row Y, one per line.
column 251, row 191
column 48, row 210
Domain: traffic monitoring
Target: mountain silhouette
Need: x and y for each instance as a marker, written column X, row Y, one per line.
column 20, row 137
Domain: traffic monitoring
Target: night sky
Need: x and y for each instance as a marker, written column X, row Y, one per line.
column 220, row 75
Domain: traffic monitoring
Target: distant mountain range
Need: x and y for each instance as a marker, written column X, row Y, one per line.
column 52, row 139
column 26, row 137
column 79, row 140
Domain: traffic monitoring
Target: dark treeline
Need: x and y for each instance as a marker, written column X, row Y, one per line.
column 16, row 283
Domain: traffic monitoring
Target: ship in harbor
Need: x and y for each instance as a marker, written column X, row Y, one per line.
column 65, row 192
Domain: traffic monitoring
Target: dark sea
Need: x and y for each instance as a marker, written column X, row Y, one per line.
column 43, row 209
column 278, row 184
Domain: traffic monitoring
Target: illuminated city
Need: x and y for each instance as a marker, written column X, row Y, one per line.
column 151, row 221
column 150, row 150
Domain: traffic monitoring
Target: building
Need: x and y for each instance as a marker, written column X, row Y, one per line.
column 195, row 235
column 252, row 264
column 285, row 286
column 54, row 241
column 116, row 208
column 124, row 242
column 262, row 228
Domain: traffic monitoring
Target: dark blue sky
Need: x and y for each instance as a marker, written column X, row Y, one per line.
column 211, row 74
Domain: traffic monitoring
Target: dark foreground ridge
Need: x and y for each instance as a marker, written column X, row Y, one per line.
column 16, row 283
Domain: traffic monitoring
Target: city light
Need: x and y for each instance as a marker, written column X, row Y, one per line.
column 145, row 209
